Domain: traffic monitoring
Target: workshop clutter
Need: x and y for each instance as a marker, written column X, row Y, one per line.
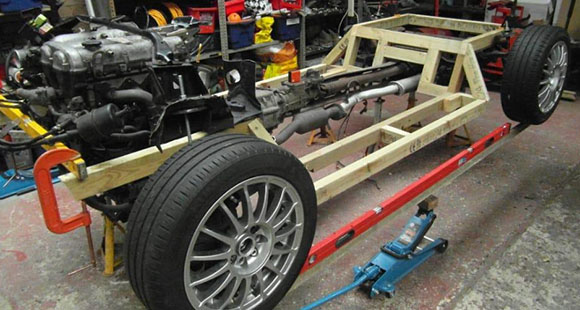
column 264, row 26
column 19, row 5
column 286, row 27
column 280, row 58
column 241, row 33
column 157, row 15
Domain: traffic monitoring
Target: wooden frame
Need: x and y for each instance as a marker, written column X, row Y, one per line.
column 457, row 108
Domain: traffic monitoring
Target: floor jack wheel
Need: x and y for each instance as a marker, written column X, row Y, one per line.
column 225, row 223
column 443, row 247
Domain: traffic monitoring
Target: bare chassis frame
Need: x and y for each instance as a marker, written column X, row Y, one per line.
column 459, row 108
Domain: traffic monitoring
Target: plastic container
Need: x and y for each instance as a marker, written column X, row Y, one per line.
column 19, row 5
column 241, row 34
column 235, row 6
column 286, row 4
column 207, row 16
column 286, row 27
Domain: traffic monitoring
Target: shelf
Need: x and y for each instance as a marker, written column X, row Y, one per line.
column 253, row 47
column 215, row 54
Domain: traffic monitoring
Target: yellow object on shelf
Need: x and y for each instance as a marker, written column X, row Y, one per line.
column 276, row 69
column 265, row 33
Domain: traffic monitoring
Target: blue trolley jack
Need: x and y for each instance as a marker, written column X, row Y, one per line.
column 397, row 258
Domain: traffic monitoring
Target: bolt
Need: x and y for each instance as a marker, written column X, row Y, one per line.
column 254, row 252
column 233, row 259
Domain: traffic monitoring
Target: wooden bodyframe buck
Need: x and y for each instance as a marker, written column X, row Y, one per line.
column 458, row 108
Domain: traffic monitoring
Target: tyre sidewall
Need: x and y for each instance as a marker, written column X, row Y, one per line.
column 199, row 202
column 521, row 86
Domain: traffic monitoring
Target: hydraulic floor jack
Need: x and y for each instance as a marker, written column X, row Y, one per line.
column 396, row 258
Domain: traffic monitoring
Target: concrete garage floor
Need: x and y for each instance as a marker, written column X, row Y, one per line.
column 510, row 221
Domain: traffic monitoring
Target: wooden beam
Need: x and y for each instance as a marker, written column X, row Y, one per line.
column 343, row 179
column 338, row 51
column 380, row 52
column 132, row 167
column 352, row 49
column 409, row 39
column 404, row 54
column 387, row 23
column 451, row 23
column 473, row 75
column 457, row 75
column 484, row 40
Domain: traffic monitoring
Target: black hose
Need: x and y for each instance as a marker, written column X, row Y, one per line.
column 123, row 137
column 96, row 204
column 137, row 95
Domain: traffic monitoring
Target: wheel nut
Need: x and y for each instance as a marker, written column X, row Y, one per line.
column 233, row 259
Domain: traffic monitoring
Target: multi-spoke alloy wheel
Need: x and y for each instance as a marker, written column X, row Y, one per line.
column 534, row 74
column 225, row 223
column 244, row 245
column 554, row 75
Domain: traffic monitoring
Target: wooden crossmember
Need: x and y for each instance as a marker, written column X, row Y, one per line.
column 386, row 131
column 347, row 177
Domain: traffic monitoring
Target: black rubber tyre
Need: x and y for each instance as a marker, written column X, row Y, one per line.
column 176, row 198
column 524, row 73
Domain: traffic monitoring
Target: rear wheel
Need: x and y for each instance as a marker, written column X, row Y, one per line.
column 226, row 223
column 534, row 74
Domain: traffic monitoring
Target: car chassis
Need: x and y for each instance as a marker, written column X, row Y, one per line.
column 457, row 109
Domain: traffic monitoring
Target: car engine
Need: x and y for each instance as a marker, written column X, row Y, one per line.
column 114, row 90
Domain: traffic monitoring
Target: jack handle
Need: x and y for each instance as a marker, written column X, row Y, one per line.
column 369, row 274
column 47, row 196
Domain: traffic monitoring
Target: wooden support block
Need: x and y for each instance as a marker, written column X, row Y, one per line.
column 343, row 179
column 432, row 89
column 429, row 203
column 391, row 134
column 453, row 102
column 255, row 126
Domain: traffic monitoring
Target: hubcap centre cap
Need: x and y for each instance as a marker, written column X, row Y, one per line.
column 246, row 246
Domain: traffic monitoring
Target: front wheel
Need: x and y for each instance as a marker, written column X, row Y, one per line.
column 226, row 223
column 534, row 74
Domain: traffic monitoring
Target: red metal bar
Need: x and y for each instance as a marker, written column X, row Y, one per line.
column 47, row 196
column 332, row 243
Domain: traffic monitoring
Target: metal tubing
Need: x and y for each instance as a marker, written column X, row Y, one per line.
column 89, row 238
column 340, row 84
column 398, row 87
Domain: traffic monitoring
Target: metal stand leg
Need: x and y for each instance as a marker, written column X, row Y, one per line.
column 377, row 118
column 109, row 247
column 89, row 239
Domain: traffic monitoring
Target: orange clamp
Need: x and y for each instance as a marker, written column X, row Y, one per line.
column 47, row 196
